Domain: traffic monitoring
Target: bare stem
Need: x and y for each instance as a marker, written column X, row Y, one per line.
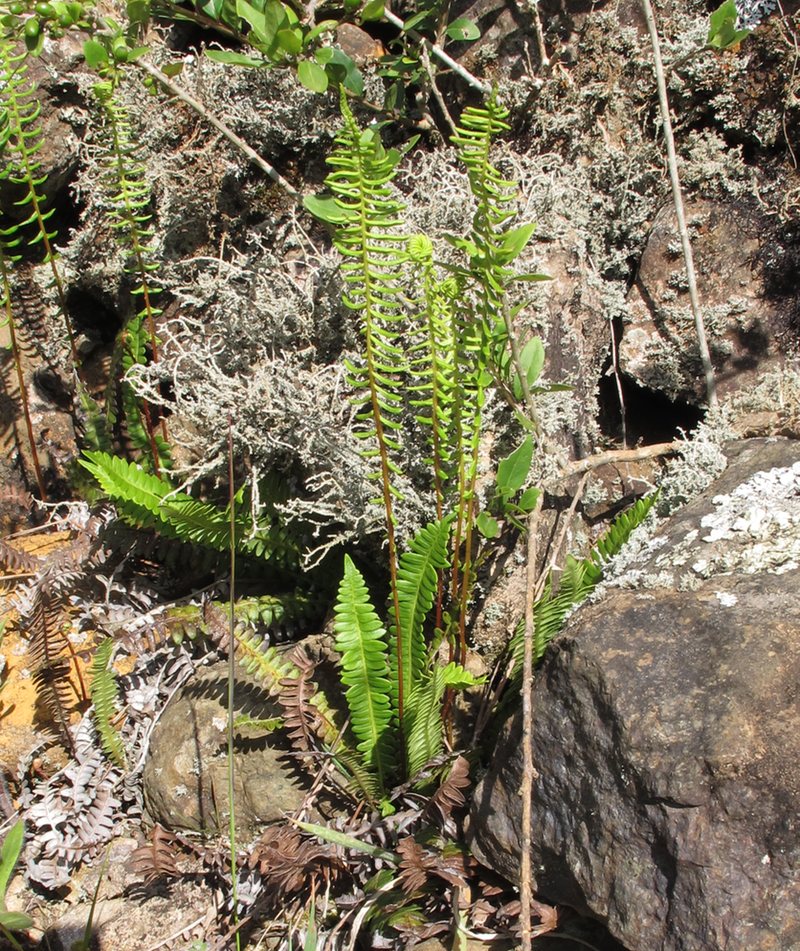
column 439, row 53
column 218, row 124
column 528, row 769
column 677, row 197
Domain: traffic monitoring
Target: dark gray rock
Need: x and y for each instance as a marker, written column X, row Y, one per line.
column 668, row 732
column 185, row 776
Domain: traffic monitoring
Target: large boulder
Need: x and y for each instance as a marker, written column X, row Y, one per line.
column 667, row 732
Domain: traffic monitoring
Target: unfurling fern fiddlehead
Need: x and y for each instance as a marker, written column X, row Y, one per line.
column 128, row 200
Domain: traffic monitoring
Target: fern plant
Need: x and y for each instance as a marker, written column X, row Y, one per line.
column 23, row 141
column 149, row 501
column 128, row 199
column 382, row 668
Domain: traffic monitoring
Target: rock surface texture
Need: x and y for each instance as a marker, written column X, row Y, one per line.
column 668, row 732
column 185, row 776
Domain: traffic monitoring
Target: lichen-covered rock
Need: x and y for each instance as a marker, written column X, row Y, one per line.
column 744, row 325
column 667, row 733
column 185, row 776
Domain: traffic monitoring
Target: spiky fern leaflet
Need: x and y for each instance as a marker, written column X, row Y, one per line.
column 361, row 643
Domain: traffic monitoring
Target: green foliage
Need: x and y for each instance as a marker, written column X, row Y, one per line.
column 361, row 642
column 9, row 854
column 577, row 581
column 373, row 258
column 722, row 32
column 149, row 501
column 128, row 199
column 20, row 110
column 103, row 691
column 417, row 583
column 380, row 670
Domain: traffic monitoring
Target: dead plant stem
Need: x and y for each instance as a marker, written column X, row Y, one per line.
column 621, row 456
column 528, row 768
column 677, row 196
column 218, row 124
column 439, row 53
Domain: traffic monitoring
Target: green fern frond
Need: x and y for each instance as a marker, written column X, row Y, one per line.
column 417, row 583
column 103, row 691
column 432, row 366
column 373, row 255
column 145, row 500
column 361, row 643
column 22, row 134
column 424, row 719
column 577, row 581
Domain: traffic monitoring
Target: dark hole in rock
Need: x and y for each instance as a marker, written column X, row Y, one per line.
column 91, row 313
column 650, row 416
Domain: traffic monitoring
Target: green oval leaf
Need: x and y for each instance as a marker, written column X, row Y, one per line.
column 95, row 54
column 487, row 525
column 463, row 29
column 290, row 41
column 513, row 470
column 312, row 76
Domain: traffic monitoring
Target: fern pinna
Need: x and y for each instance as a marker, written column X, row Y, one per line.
column 23, row 140
column 128, row 198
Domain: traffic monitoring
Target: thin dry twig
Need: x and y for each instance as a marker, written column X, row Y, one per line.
column 559, row 542
column 677, row 196
column 218, row 124
column 616, row 456
column 439, row 53
column 528, row 769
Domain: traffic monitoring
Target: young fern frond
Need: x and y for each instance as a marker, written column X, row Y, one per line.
column 103, row 691
column 425, row 726
column 361, row 642
column 23, row 141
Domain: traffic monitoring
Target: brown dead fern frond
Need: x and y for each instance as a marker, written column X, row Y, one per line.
column 157, row 858
column 14, row 495
column 18, row 560
column 292, row 865
column 449, row 795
